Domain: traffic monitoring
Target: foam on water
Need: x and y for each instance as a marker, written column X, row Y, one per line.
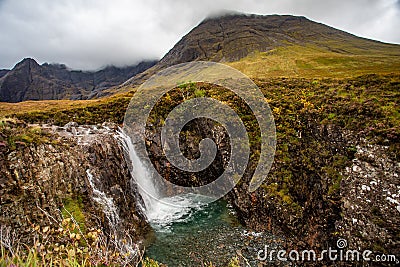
column 160, row 211
column 174, row 209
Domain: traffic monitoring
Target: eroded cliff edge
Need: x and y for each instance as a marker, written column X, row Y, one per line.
column 55, row 176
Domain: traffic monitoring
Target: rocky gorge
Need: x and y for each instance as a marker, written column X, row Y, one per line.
column 326, row 184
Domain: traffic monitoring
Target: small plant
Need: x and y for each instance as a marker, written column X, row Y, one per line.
column 199, row 93
column 147, row 262
column 234, row 262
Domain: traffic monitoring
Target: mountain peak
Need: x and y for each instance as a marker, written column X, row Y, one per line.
column 30, row 81
column 222, row 14
column 229, row 14
column 28, row 60
column 27, row 63
column 230, row 36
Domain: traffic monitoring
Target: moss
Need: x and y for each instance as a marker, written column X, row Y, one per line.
column 199, row 93
column 331, row 116
column 74, row 207
column 234, row 262
column 147, row 262
column 24, row 138
column 335, row 187
column 15, row 133
column 282, row 194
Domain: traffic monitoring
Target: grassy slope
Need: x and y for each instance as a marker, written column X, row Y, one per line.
column 62, row 111
column 333, row 60
column 321, row 71
column 328, row 59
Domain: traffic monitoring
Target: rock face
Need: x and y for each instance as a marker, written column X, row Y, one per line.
column 68, row 171
column 3, row 72
column 30, row 81
column 371, row 200
column 232, row 37
column 336, row 193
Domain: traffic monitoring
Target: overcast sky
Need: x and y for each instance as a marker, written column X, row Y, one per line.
column 89, row 34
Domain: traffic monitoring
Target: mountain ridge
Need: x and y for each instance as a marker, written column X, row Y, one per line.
column 233, row 37
column 30, row 81
column 260, row 46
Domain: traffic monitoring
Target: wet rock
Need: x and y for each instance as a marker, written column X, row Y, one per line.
column 38, row 182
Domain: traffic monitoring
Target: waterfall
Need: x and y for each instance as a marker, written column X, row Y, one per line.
column 140, row 174
column 160, row 211
column 129, row 249
column 107, row 203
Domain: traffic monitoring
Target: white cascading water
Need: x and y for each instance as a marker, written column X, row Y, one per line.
column 160, row 211
column 109, row 208
column 111, row 211
column 140, row 174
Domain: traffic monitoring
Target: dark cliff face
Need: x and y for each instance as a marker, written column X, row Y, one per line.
column 30, row 81
column 3, row 72
column 54, row 174
column 232, row 37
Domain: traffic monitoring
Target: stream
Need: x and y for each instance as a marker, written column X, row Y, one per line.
column 200, row 234
column 189, row 230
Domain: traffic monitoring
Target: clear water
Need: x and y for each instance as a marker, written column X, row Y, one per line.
column 203, row 234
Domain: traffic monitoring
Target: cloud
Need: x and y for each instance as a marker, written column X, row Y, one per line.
column 89, row 34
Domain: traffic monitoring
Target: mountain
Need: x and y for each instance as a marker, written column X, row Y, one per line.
column 291, row 43
column 30, row 81
column 259, row 46
column 3, row 72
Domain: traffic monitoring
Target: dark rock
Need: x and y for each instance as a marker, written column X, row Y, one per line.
column 38, row 181
column 30, row 81
column 3, row 72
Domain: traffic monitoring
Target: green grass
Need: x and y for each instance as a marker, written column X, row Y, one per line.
column 15, row 133
column 73, row 209
column 315, row 61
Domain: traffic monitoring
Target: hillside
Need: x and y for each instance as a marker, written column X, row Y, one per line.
column 280, row 46
column 30, row 81
column 263, row 47
column 259, row 46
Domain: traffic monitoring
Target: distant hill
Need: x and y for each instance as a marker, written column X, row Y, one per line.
column 279, row 45
column 30, row 81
